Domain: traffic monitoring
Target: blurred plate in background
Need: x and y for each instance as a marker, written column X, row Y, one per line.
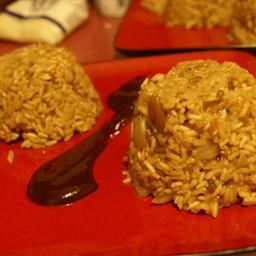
column 142, row 31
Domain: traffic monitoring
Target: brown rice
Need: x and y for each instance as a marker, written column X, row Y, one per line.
column 198, row 14
column 193, row 139
column 237, row 15
column 242, row 27
column 192, row 13
column 45, row 96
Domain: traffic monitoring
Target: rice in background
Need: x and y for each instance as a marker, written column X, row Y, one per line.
column 192, row 13
column 199, row 14
column 45, row 96
column 193, row 139
column 242, row 27
column 237, row 15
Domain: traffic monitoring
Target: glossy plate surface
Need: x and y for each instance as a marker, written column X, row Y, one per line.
column 145, row 31
column 113, row 220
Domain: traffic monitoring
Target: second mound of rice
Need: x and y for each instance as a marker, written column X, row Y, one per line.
column 193, row 138
column 192, row 13
column 45, row 96
column 237, row 15
column 242, row 26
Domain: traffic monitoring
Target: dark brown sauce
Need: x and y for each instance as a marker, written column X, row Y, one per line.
column 68, row 177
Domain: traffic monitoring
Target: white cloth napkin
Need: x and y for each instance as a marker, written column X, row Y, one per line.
column 47, row 21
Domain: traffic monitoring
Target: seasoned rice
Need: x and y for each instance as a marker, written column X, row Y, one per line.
column 193, row 139
column 238, row 16
column 198, row 14
column 45, row 96
column 242, row 27
column 192, row 13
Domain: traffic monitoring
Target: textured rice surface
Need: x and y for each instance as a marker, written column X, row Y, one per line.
column 192, row 13
column 198, row 14
column 45, row 96
column 237, row 15
column 193, row 139
column 242, row 27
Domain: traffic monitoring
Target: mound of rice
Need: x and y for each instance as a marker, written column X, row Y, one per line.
column 198, row 14
column 193, row 139
column 45, row 96
column 237, row 15
column 242, row 27
column 192, row 13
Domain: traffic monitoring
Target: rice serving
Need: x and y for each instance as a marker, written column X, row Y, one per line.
column 242, row 27
column 193, row 139
column 45, row 96
column 238, row 16
column 192, row 13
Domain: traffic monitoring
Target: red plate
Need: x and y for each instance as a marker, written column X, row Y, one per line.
column 142, row 30
column 113, row 220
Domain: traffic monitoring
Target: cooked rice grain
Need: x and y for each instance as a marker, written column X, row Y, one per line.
column 193, row 137
column 45, row 96
column 10, row 156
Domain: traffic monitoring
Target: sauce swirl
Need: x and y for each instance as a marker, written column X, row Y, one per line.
column 69, row 177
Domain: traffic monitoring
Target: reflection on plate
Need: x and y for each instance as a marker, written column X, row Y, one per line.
column 145, row 31
column 113, row 220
